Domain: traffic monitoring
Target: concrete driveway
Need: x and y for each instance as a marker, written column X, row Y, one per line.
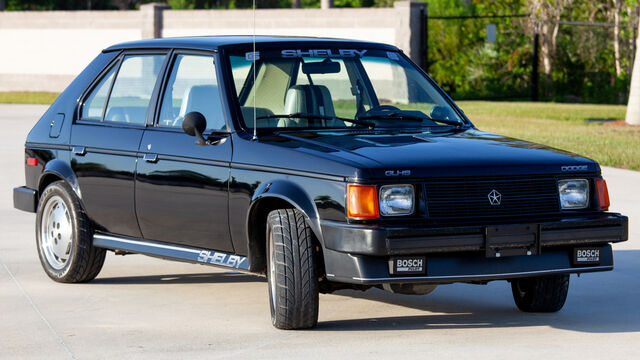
column 140, row 307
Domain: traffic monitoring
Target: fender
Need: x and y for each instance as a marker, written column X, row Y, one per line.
column 284, row 190
column 293, row 194
column 62, row 170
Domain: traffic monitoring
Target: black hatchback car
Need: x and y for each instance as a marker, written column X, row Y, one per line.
column 323, row 164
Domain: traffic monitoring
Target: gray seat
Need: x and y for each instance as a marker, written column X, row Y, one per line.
column 204, row 99
column 308, row 99
column 126, row 114
column 247, row 114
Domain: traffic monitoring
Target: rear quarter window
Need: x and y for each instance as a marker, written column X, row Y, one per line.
column 93, row 107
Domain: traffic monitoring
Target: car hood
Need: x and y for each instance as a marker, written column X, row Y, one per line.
column 384, row 153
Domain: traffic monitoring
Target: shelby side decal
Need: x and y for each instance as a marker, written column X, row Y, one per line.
column 173, row 251
column 223, row 259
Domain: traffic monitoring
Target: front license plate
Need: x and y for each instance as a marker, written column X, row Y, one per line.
column 407, row 265
column 586, row 256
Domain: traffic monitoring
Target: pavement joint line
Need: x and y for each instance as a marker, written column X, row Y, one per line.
column 35, row 308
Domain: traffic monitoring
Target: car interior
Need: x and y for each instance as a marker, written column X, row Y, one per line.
column 198, row 98
column 291, row 91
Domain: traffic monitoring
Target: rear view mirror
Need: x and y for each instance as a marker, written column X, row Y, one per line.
column 323, row 67
column 194, row 124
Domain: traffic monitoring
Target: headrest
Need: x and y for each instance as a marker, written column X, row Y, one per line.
column 204, row 99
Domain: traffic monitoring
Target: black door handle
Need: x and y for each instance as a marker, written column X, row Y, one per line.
column 152, row 158
column 79, row 150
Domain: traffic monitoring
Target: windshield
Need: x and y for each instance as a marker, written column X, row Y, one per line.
column 336, row 88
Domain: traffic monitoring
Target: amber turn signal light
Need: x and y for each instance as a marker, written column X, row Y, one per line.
column 362, row 202
column 603, row 194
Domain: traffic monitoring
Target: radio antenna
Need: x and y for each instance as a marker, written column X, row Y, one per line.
column 255, row 89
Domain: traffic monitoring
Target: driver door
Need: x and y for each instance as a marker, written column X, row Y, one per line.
column 181, row 187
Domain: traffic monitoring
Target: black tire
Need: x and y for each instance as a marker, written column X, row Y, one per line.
column 84, row 261
column 293, row 280
column 541, row 294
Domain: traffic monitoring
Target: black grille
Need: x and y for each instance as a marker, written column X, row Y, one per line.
column 470, row 198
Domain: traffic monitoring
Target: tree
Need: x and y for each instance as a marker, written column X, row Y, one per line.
column 546, row 14
column 58, row 4
column 617, row 10
column 633, row 106
column 123, row 4
column 182, row 4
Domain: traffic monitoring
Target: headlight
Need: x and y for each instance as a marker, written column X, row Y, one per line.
column 396, row 200
column 574, row 194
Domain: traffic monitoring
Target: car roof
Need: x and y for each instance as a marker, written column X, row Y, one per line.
column 215, row 42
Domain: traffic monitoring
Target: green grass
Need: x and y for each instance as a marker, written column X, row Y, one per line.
column 543, row 110
column 23, row 97
column 563, row 126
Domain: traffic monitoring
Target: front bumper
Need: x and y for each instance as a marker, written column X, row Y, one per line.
column 411, row 239
column 360, row 253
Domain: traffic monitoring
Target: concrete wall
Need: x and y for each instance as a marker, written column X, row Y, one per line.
column 44, row 51
column 369, row 24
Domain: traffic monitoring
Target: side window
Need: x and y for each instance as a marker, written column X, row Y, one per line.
column 132, row 88
column 192, row 86
column 95, row 102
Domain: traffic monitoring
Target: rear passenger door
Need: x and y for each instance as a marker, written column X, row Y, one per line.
column 106, row 135
column 181, row 187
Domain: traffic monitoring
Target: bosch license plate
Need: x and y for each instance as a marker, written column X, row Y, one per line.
column 407, row 265
column 586, row 256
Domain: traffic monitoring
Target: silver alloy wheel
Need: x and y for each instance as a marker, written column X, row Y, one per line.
column 56, row 233
column 272, row 269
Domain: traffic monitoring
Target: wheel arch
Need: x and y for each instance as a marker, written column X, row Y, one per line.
column 271, row 196
column 56, row 170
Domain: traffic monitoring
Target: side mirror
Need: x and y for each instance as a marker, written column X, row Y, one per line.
column 194, row 124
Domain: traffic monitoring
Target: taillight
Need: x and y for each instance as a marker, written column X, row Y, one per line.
column 362, row 202
column 32, row 161
column 603, row 194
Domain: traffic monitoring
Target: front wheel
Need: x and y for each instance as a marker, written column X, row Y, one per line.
column 541, row 294
column 291, row 270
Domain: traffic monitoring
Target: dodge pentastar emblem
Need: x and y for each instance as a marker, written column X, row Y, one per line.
column 495, row 197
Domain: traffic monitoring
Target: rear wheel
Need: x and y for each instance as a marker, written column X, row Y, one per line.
column 541, row 294
column 64, row 237
column 291, row 270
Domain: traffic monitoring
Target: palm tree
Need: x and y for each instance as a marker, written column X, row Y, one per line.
column 633, row 107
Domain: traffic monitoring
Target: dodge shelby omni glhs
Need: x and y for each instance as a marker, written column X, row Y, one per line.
column 323, row 164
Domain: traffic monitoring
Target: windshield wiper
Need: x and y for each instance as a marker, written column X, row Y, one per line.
column 319, row 117
column 457, row 124
column 401, row 116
